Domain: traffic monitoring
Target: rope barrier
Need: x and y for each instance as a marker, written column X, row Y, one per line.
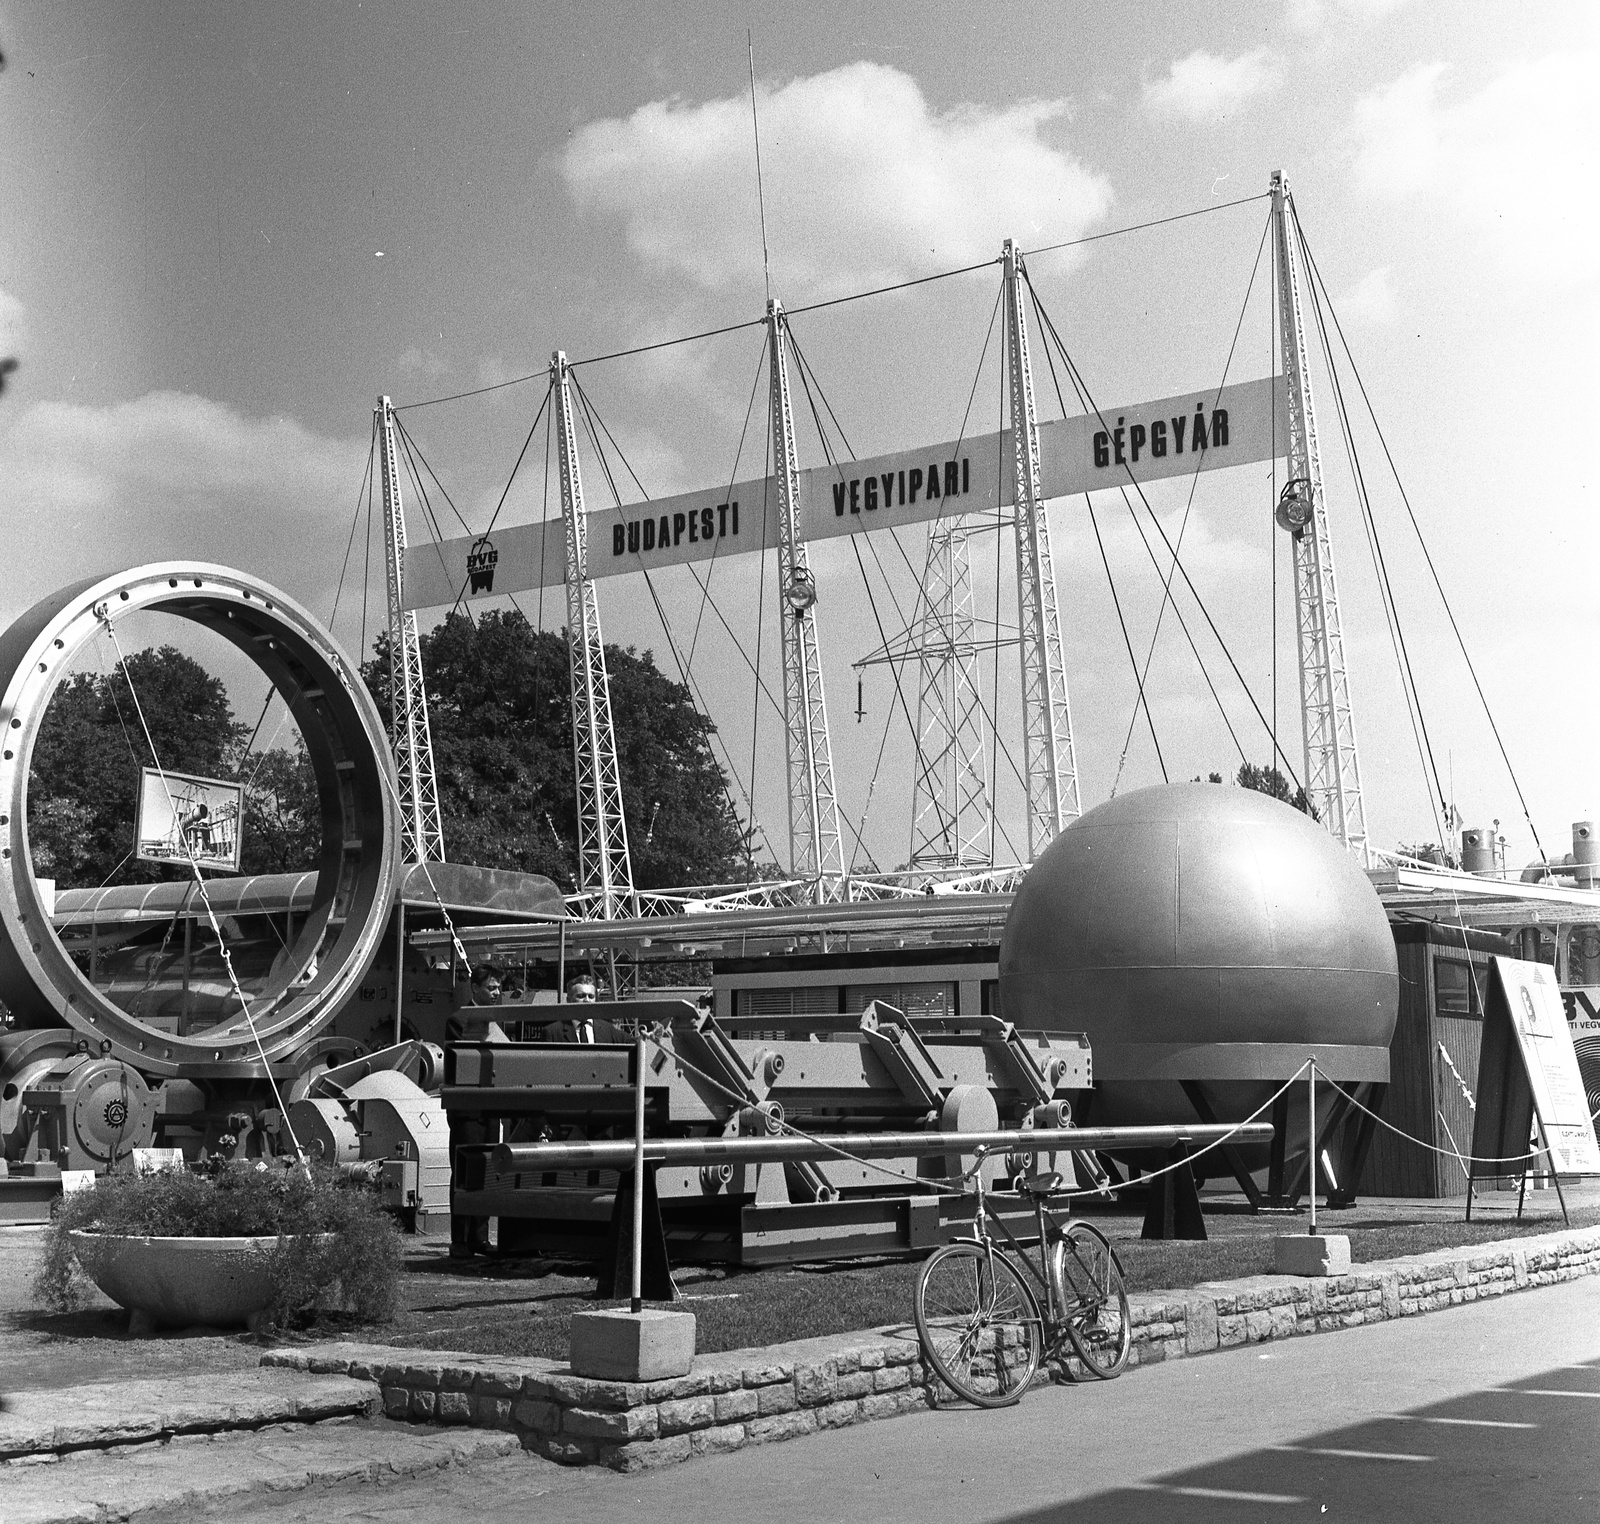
column 945, row 1140
column 1444, row 1153
column 1205, row 1148
column 787, row 1126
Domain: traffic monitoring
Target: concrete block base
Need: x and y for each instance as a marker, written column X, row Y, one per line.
column 1311, row 1254
column 652, row 1345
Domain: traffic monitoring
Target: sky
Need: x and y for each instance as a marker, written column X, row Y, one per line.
column 227, row 230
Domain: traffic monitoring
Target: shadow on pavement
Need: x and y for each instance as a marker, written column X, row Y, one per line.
column 1458, row 1460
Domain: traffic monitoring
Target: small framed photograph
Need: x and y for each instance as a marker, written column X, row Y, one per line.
column 184, row 819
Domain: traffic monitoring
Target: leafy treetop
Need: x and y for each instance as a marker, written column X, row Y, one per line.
column 1269, row 781
column 83, row 784
column 500, row 704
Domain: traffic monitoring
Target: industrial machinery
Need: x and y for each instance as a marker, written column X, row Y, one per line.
column 374, row 1116
column 192, row 1014
column 876, row 1071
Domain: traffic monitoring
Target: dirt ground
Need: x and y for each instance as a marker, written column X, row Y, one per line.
column 44, row 1349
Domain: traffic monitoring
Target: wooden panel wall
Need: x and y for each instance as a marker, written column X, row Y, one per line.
column 1421, row 1088
column 1395, row 1167
column 1462, row 1038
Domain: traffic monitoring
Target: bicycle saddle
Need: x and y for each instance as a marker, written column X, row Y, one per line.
column 1046, row 1183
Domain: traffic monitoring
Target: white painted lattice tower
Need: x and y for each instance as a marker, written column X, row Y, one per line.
column 423, row 832
column 1332, row 769
column 1050, row 762
column 605, row 869
column 816, row 850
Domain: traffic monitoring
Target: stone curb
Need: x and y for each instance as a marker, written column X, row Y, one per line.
column 213, row 1473
column 752, row 1396
column 52, row 1422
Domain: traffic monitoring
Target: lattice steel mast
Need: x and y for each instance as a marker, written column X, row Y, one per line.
column 423, row 839
column 815, row 849
column 1052, row 767
column 604, row 866
column 950, row 807
column 1332, row 771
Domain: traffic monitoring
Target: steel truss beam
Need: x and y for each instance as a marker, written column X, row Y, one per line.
column 1332, row 770
column 605, row 869
column 423, row 831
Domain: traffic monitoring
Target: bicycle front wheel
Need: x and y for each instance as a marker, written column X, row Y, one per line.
column 978, row 1323
column 1094, row 1302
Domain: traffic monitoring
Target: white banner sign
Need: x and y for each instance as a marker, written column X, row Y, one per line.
column 1539, row 1021
column 1145, row 442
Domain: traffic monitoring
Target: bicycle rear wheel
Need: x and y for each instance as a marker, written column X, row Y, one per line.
column 1093, row 1299
column 978, row 1323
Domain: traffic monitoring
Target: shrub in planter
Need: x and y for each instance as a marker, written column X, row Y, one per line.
column 331, row 1246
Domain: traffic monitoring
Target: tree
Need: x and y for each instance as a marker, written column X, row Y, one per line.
column 282, row 812
column 83, row 785
column 500, row 704
column 1269, row 781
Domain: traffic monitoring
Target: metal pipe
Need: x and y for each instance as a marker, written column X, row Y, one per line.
column 622, row 1152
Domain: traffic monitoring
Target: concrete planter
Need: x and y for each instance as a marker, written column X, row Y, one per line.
column 179, row 1282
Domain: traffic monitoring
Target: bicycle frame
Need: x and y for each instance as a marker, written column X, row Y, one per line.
column 1054, row 1314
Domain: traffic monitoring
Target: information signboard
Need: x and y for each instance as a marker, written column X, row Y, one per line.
column 1529, row 1070
column 184, row 819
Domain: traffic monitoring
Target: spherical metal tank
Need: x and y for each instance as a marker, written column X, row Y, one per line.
column 1207, row 934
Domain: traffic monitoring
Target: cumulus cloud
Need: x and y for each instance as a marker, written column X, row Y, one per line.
column 866, row 183
column 1203, row 85
column 171, row 476
column 1511, row 159
column 1371, row 300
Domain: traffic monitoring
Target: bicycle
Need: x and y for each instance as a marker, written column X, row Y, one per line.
column 980, row 1323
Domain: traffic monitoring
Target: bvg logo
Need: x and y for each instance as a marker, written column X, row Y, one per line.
column 481, row 561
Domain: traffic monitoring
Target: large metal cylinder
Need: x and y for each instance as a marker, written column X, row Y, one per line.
column 357, row 871
column 1477, row 850
column 1585, row 852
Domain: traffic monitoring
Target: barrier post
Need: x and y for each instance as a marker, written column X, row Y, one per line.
column 1311, row 1252
column 638, row 1169
column 1311, row 1107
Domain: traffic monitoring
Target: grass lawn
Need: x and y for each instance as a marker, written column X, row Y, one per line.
column 512, row 1307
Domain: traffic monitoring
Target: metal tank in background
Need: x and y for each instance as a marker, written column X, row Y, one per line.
column 1478, row 851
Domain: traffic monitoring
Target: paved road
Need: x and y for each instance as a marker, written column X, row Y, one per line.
column 1462, row 1415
